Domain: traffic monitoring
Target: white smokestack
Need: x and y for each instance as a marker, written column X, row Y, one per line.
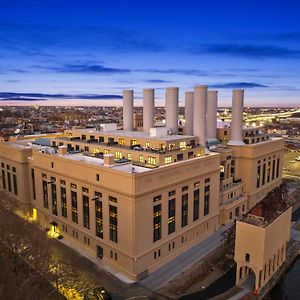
column 189, row 113
column 211, row 121
column 172, row 109
column 236, row 127
column 200, row 99
column 148, row 109
column 128, row 110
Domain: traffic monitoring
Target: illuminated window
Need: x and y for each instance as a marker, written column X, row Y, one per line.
column 74, row 207
column 96, row 150
column 133, row 142
column 129, row 156
column 151, row 160
column 156, row 222
column 141, row 158
column 113, row 223
column 121, row 142
column 182, row 145
column 54, row 198
column 86, row 211
column 63, row 196
column 118, row 154
column 168, row 159
column 147, row 144
column 99, row 218
column 106, row 151
column 171, row 216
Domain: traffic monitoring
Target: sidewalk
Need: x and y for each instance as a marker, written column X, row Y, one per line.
column 185, row 260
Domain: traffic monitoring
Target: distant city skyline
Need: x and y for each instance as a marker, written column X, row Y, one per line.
column 86, row 53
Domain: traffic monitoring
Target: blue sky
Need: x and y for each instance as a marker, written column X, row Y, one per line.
column 51, row 49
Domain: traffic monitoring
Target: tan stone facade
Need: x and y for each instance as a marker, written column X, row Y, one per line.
column 260, row 247
column 135, row 214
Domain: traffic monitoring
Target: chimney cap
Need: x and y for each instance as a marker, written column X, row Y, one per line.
column 199, row 86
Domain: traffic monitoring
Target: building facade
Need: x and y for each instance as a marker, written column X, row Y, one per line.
column 137, row 199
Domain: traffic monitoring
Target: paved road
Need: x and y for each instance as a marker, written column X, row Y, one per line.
column 161, row 276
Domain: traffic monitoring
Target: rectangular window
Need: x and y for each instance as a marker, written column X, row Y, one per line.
column 33, row 184
column 118, row 154
column 45, row 194
column 113, row 223
column 129, row 156
column 9, row 181
column 206, row 200
column 168, row 159
column 151, row 160
column 264, row 174
column 85, row 190
column 99, row 219
column 113, row 199
column 73, row 186
column 86, row 211
column 171, row 216
column 185, row 188
column 247, row 257
column 63, row 195
column 172, row 193
column 141, row 158
column 277, row 168
column 156, row 222
column 157, row 198
column 182, row 145
column 74, row 207
column 269, row 171
column 196, row 205
column 15, row 183
column 184, row 210
column 54, row 198
column 147, row 144
column 273, row 169
column 3, row 180
column 258, row 177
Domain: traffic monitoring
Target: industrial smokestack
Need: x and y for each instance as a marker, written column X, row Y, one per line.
column 148, row 109
column 236, row 127
column 189, row 113
column 200, row 99
column 172, row 109
column 128, row 110
column 211, row 121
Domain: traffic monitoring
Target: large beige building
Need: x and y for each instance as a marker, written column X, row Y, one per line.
column 137, row 199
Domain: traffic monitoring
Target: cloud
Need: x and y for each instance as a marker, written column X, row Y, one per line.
column 247, row 50
column 288, row 36
column 157, row 81
column 6, row 96
column 175, row 71
column 231, row 85
column 86, row 68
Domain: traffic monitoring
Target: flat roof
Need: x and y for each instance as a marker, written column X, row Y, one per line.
column 125, row 167
column 133, row 134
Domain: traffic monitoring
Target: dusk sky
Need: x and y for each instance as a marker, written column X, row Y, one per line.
column 60, row 52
